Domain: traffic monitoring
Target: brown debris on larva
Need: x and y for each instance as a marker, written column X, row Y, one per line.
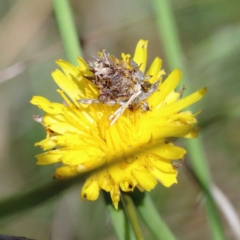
column 119, row 83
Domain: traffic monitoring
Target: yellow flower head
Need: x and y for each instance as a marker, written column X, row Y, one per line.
column 122, row 121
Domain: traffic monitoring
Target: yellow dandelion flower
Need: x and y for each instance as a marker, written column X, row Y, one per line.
column 120, row 114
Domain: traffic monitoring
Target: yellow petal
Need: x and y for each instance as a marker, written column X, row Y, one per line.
column 154, row 70
column 165, row 165
column 165, row 89
column 140, row 56
column 81, row 156
column 53, row 118
column 46, row 144
column 184, row 117
column 49, row 157
column 67, row 85
column 115, row 195
column 90, row 190
column 126, row 57
column 171, row 98
column 91, row 90
column 122, row 173
column 128, row 185
column 170, row 83
column 169, row 151
column 65, row 172
column 167, row 179
column 62, row 127
column 193, row 133
column 61, row 140
column 161, row 132
column 183, row 103
column 68, row 68
column 74, row 157
column 104, row 180
column 145, row 179
column 82, row 64
column 46, row 105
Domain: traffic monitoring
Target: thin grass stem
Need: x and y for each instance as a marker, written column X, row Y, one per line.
column 130, row 211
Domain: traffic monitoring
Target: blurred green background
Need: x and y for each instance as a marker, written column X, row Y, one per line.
column 30, row 44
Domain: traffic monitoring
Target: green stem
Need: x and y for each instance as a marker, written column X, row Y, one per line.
column 67, row 30
column 120, row 223
column 31, row 198
column 130, row 211
column 175, row 58
column 153, row 219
